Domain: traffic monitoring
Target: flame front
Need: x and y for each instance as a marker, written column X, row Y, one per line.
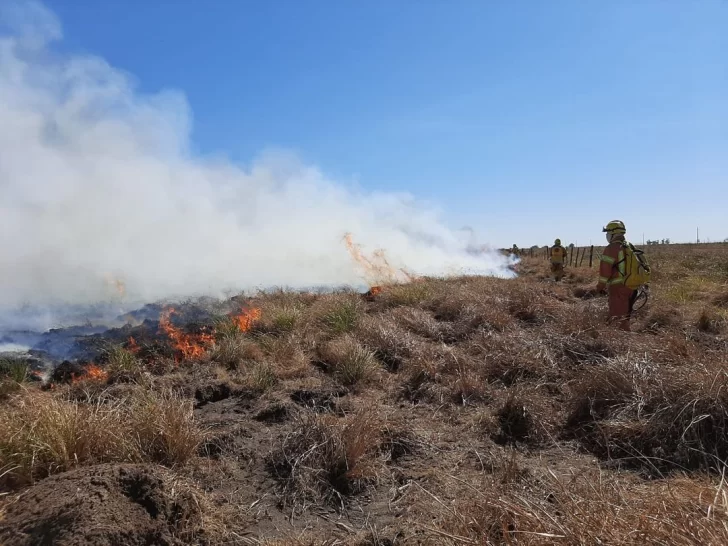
column 92, row 373
column 377, row 269
column 187, row 345
column 95, row 373
column 246, row 318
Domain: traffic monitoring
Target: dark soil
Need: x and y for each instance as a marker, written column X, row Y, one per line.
column 114, row 505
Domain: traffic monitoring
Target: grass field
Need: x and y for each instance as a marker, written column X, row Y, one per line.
column 462, row 411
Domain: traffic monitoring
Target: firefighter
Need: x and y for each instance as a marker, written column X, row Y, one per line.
column 558, row 260
column 612, row 276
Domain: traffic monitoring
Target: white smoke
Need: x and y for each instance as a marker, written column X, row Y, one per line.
column 97, row 185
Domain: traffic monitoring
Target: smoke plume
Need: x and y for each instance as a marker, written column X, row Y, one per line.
column 101, row 199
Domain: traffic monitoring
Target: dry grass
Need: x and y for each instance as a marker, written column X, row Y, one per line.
column 13, row 369
column 262, row 377
column 41, row 433
column 327, row 458
column 711, row 322
column 350, row 362
column 391, row 344
column 522, row 417
column 341, row 315
column 235, row 351
column 545, row 507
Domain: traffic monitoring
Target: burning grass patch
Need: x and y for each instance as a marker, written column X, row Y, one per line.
column 326, row 458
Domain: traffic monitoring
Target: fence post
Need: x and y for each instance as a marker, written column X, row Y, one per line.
column 591, row 255
column 582, row 257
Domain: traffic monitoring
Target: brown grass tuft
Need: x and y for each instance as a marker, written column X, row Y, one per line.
column 41, row 434
column 350, row 362
column 710, row 322
column 235, row 351
column 392, row 345
column 576, row 507
column 515, row 422
column 326, row 458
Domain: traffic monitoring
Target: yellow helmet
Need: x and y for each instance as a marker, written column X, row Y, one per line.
column 615, row 227
column 557, row 242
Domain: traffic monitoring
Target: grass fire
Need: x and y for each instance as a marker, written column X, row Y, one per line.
column 249, row 293
column 470, row 410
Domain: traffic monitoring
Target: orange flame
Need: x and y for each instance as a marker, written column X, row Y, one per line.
column 93, row 373
column 371, row 294
column 377, row 269
column 246, row 318
column 188, row 345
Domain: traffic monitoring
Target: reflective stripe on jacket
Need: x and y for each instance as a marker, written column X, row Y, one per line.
column 611, row 266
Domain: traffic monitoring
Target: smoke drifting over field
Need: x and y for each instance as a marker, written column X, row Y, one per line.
column 101, row 200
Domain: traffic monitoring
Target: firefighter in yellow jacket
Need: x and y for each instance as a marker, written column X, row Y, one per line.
column 613, row 274
column 557, row 254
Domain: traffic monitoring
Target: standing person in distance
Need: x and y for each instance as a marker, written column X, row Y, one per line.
column 557, row 254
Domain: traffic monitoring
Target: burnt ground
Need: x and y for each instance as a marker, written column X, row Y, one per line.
column 468, row 411
column 102, row 505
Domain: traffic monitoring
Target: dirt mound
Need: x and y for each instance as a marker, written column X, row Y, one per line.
column 114, row 505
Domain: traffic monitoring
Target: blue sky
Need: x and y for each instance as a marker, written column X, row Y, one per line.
column 524, row 120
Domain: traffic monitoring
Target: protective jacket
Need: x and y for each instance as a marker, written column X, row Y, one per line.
column 611, row 266
column 612, row 275
column 558, row 254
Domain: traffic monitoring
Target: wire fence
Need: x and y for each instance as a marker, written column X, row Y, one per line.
column 576, row 256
